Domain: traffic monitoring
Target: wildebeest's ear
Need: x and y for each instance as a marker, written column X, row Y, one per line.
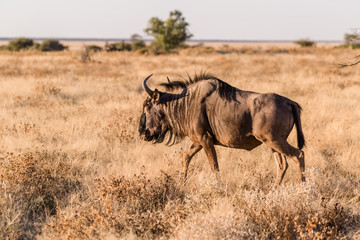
column 156, row 95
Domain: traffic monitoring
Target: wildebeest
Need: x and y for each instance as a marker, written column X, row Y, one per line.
column 211, row 112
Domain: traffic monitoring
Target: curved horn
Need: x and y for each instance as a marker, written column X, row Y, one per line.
column 168, row 80
column 147, row 89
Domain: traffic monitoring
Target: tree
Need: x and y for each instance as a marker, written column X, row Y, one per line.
column 169, row 34
column 352, row 40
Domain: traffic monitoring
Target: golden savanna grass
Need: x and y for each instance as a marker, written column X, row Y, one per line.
column 73, row 167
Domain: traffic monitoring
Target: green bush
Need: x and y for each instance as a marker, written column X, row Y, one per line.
column 20, row 44
column 305, row 43
column 346, row 45
column 138, row 44
column 351, row 41
column 350, row 37
column 51, row 45
column 355, row 45
column 349, row 45
column 117, row 47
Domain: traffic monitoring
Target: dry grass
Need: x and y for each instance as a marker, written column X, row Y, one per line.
column 73, row 167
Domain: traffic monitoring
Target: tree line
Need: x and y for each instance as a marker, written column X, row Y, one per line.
column 168, row 34
column 29, row 44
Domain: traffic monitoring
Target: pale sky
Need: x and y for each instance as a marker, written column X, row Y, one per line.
column 221, row 19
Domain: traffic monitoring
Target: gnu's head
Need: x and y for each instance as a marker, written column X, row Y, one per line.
column 153, row 125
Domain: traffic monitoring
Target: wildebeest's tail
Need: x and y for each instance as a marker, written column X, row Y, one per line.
column 296, row 110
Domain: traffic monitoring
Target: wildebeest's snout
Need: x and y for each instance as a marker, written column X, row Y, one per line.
column 142, row 123
column 146, row 134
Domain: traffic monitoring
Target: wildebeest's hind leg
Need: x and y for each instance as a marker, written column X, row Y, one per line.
column 189, row 154
column 283, row 147
column 282, row 165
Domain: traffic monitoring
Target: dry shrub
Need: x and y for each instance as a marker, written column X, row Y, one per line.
column 213, row 213
column 35, row 185
column 227, row 225
column 22, row 128
column 121, row 128
column 303, row 211
column 10, row 213
column 197, row 50
column 44, row 95
column 82, row 219
column 48, row 88
column 147, row 208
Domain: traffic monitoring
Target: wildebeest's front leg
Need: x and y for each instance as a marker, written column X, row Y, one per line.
column 194, row 149
column 207, row 143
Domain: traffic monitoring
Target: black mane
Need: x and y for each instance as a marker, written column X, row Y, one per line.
column 226, row 91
